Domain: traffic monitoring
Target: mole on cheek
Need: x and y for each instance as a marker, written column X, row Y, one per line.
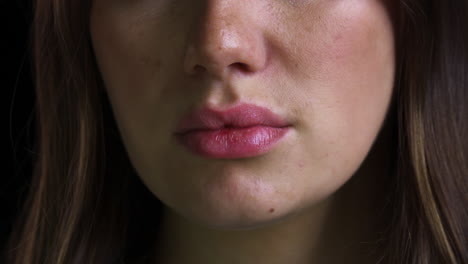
column 272, row 210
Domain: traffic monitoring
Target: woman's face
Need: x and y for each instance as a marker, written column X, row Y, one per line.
column 326, row 67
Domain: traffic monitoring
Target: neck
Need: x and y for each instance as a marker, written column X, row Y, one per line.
column 344, row 228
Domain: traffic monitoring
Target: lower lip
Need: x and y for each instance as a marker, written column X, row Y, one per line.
column 231, row 143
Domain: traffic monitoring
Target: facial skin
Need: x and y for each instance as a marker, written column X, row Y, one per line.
column 327, row 66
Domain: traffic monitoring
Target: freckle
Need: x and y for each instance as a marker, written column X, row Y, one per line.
column 272, row 210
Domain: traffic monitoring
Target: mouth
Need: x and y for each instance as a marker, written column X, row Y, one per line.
column 231, row 143
column 240, row 132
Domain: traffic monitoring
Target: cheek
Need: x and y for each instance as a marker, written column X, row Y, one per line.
column 349, row 60
column 358, row 66
column 121, row 40
column 122, row 37
column 353, row 66
column 118, row 53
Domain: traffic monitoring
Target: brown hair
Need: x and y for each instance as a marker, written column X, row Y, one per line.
column 87, row 205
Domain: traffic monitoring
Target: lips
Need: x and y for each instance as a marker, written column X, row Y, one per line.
column 241, row 116
column 240, row 132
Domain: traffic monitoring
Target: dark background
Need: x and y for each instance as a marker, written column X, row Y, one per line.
column 19, row 116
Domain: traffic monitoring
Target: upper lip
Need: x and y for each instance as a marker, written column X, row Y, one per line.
column 242, row 115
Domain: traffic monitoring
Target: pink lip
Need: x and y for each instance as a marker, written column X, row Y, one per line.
column 245, row 130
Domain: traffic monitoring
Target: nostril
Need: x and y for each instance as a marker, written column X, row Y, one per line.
column 241, row 66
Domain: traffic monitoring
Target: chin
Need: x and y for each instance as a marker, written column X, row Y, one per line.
column 236, row 215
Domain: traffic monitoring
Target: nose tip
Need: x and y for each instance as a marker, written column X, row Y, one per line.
column 224, row 45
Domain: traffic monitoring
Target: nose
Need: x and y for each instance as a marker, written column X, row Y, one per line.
column 226, row 40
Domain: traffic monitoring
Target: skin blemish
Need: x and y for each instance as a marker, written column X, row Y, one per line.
column 272, row 210
column 301, row 164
